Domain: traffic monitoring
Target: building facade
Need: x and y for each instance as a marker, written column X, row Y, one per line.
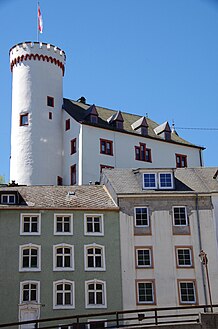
column 78, row 139
column 57, row 252
column 166, row 218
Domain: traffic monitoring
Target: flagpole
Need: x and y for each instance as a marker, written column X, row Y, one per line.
column 37, row 27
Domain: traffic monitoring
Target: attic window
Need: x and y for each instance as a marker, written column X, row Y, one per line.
column 8, row 199
column 161, row 180
column 143, row 131
column 119, row 124
column 140, row 126
column 93, row 118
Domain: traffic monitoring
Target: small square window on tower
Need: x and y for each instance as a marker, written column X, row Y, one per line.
column 50, row 101
column 24, row 120
column 50, row 115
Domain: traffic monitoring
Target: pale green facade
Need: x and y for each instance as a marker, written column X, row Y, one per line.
column 10, row 276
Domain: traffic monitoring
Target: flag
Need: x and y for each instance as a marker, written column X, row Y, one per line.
column 40, row 22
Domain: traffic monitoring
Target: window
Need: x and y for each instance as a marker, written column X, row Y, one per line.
column 30, row 292
column 106, row 147
column 119, row 124
column 24, row 120
column 94, row 257
column 63, row 257
column 93, row 118
column 67, row 124
column 30, row 224
column 64, row 297
column 141, row 216
column 184, row 257
column 93, row 224
column 187, row 292
column 106, row 167
column 181, row 161
column 50, row 101
column 30, row 258
column 143, row 257
column 73, row 175
column 145, row 292
column 95, row 294
column 180, row 216
column 150, row 181
column 165, row 180
column 142, row 153
column 8, row 199
column 50, row 115
column 73, row 146
column 63, row 224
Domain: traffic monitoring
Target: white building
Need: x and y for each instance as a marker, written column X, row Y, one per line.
column 167, row 216
column 59, row 141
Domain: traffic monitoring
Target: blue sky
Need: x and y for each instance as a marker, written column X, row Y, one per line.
column 139, row 56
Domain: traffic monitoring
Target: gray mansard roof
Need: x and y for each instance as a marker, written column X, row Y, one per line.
column 79, row 111
column 187, row 180
column 92, row 197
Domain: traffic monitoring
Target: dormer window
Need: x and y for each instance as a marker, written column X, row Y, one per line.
column 116, row 120
column 165, row 181
column 161, row 180
column 140, row 126
column 119, row 124
column 93, row 118
column 8, row 199
column 163, row 131
column 92, row 114
column 143, row 131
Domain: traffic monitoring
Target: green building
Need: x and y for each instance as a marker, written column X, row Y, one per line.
column 59, row 248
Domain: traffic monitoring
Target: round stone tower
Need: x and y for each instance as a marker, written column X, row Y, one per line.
column 36, row 127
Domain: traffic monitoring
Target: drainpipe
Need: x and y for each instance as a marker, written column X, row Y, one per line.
column 200, row 247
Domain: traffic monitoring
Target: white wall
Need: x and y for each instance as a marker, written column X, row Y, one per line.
column 163, row 153
column 165, row 273
column 71, row 159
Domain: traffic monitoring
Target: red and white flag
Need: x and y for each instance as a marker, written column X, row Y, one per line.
column 40, row 22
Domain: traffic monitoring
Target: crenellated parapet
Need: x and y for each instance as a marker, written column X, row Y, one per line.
column 37, row 51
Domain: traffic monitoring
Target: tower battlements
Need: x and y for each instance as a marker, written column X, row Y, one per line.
column 37, row 51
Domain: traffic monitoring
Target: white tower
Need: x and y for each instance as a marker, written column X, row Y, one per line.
column 36, row 128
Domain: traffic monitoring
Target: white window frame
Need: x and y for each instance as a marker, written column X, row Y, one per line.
column 8, row 196
column 63, row 269
column 153, row 292
column 104, row 294
column 22, row 215
column 29, row 269
column 71, row 306
column 159, row 181
column 150, row 257
column 190, row 254
column 180, row 294
column 91, row 269
column 148, row 219
column 71, row 223
column 150, row 187
column 186, row 217
column 37, row 283
column 101, row 233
